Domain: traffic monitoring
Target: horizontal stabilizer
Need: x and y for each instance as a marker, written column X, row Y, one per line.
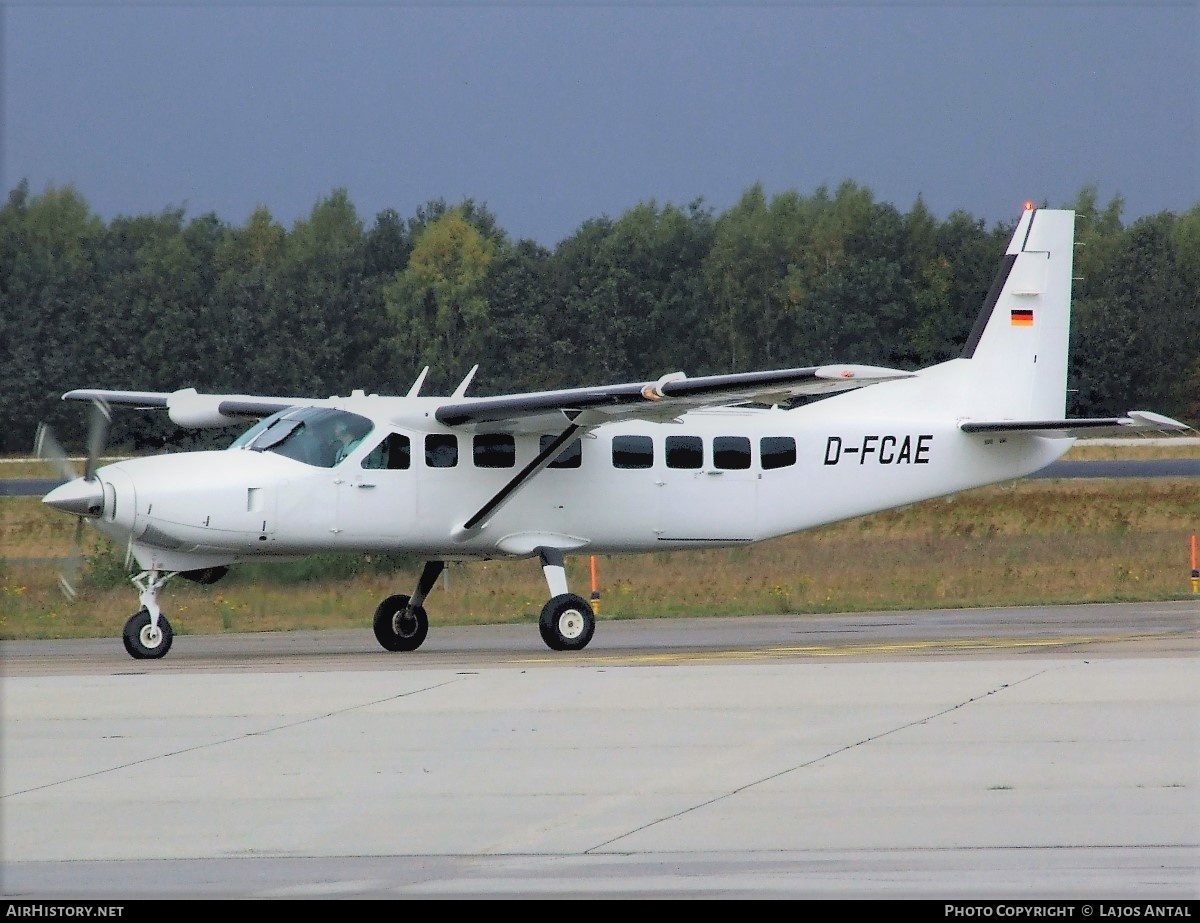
column 1142, row 420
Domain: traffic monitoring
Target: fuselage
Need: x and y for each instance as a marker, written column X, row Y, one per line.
column 713, row 478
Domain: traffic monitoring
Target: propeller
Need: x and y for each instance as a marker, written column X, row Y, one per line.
column 83, row 497
column 100, row 419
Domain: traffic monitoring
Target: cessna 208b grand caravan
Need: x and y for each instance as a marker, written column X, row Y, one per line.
column 643, row 466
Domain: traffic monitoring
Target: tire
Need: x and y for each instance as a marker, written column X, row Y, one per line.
column 141, row 642
column 548, row 637
column 567, row 623
column 413, row 631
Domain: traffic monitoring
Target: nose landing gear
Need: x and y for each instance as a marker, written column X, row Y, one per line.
column 400, row 621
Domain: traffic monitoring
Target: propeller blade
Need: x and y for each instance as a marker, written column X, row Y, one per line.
column 72, row 567
column 68, row 578
column 101, row 418
column 48, row 449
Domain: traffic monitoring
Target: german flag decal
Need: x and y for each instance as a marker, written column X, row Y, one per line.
column 1022, row 318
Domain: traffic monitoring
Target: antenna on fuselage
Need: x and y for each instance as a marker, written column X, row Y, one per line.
column 461, row 390
column 416, row 385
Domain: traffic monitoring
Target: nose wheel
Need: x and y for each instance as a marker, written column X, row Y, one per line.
column 399, row 625
column 400, row 621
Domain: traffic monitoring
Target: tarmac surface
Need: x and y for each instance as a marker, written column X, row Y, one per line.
column 1006, row 754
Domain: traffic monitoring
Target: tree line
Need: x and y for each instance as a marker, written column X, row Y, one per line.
column 161, row 301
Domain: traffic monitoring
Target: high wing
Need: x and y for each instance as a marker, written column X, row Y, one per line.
column 666, row 398
column 187, row 407
column 1136, row 420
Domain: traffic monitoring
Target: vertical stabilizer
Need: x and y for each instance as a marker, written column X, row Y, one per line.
column 1017, row 350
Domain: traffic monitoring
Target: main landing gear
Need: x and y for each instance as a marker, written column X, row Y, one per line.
column 147, row 634
column 567, row 622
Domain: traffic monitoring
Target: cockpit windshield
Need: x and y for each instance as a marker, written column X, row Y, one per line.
column 318, row 436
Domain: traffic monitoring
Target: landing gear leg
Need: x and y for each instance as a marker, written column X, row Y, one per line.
column 567, row 622
column 400, row 621
column 147, row 634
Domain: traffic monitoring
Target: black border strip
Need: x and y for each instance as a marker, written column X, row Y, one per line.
column 989, row 305
column 252, row 408
column 1012, row 426
column 1028, row 231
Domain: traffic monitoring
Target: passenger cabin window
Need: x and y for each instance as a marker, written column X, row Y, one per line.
column 394, row 453
column 570, row 457
column 441, row 450
column 494, row 450
column 685, row 452
column 777, row 452
column 632, row 452
column 731, row 453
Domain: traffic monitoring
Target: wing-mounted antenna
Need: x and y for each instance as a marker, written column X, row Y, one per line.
column 416, row 385
column 461, row 390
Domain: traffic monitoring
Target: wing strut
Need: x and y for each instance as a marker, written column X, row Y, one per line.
column 506, row 492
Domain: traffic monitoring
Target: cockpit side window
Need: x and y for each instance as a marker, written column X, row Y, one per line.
column 394, row 453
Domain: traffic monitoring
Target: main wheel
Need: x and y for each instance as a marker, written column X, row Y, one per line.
column 567, row 623
column 144, row 642
column 399, row 626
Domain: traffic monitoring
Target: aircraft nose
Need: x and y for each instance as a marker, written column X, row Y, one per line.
column 80, row 497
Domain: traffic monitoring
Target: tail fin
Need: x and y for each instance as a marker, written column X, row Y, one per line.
column 1017, row 350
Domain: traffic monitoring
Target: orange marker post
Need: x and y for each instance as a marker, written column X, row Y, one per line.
column 596, row 588
column 1195, row 568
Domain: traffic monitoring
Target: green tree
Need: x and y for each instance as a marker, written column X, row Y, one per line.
column 388, row 245
column 634, row 291
column 159, row 295
column 1135, row 338
column 759, row 273
column 971, row 256
column 1098, row 234
column 1185, row 238
column 49, row 309
column 524, row 351
column 247, row 264
column 438, row 306
column 316, row 314
column 856, row 312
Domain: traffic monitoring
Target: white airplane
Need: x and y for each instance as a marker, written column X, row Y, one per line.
column 644, row 466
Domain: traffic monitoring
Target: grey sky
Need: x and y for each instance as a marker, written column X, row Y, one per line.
column 554, row 113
